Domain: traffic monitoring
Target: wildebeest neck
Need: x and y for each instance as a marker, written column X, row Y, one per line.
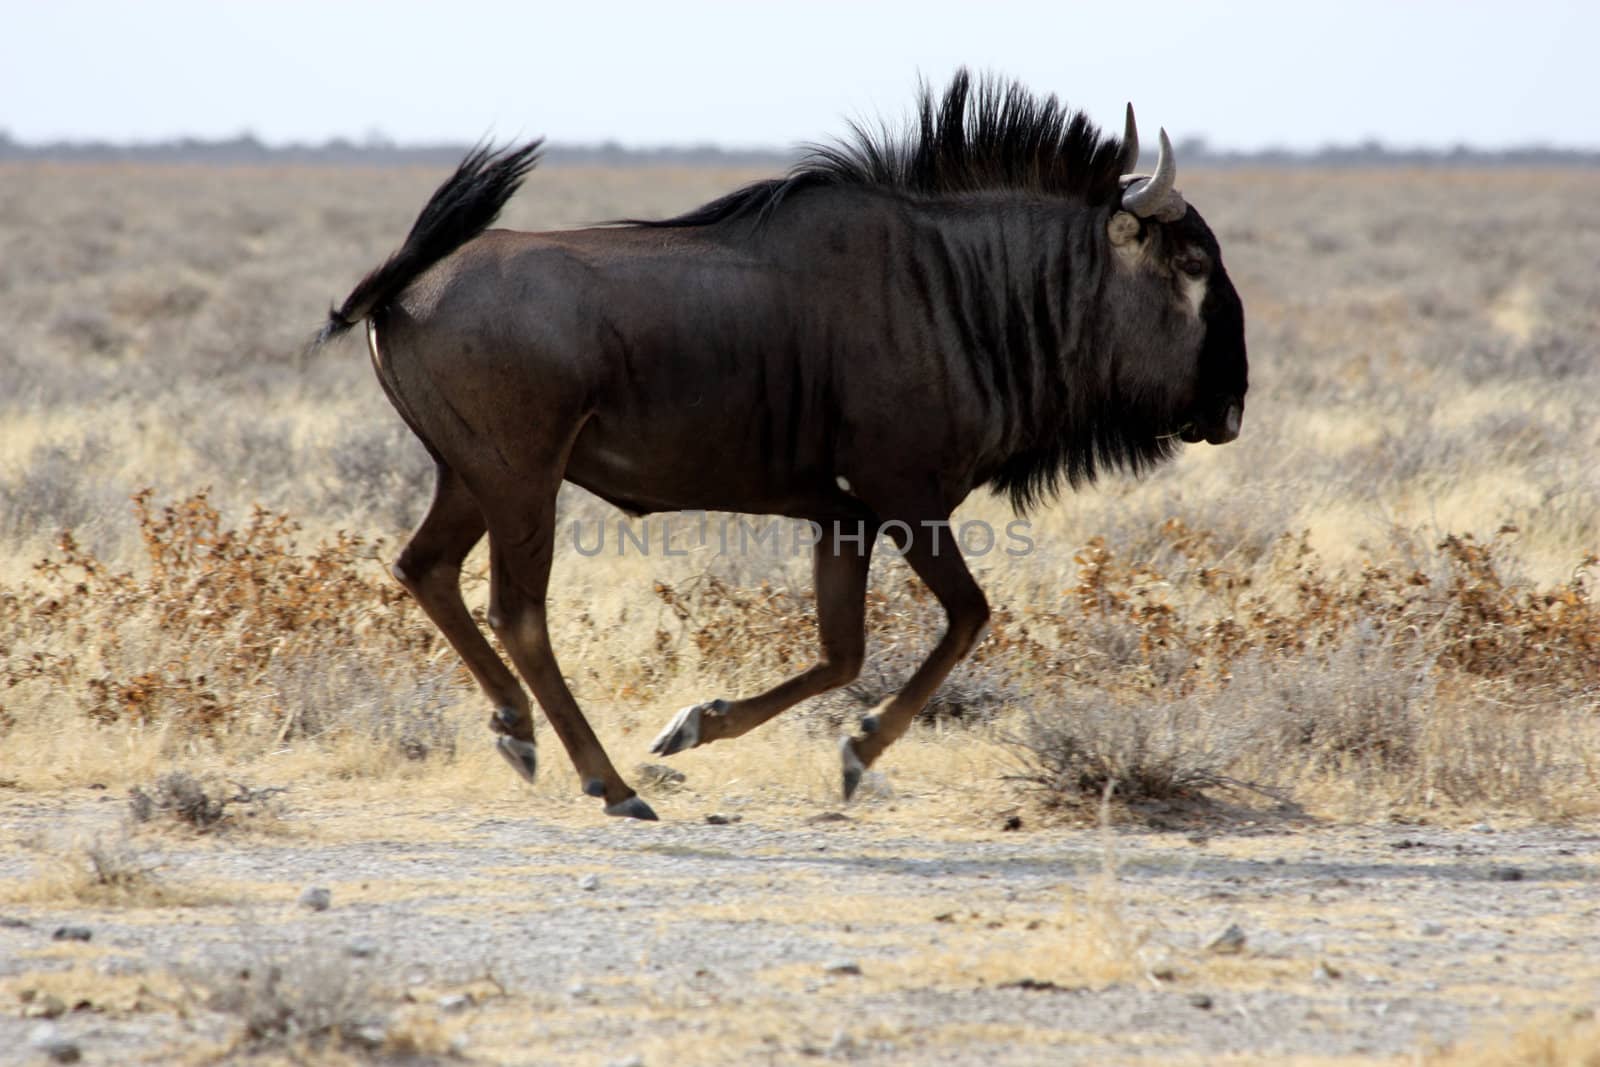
column 991, row 310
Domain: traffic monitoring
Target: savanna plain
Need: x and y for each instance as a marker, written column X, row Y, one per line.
column 1289, row 753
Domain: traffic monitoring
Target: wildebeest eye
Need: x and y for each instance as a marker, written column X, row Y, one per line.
column 1193, row 266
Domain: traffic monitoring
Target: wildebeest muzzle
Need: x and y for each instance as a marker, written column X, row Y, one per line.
column 1217, row 424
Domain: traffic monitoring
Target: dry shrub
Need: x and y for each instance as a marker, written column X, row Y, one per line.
column 199, row 803
column 315, row 1004
column 301, row 1002
column 1432, row 671
column 220, row 631
column 1075, row 756
column 1435, row 676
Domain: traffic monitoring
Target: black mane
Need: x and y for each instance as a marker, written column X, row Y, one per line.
column 988, row 134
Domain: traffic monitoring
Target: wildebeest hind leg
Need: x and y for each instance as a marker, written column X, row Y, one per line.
column 841, row 584
column 521, row 543
column 940, row 566
column 430, row 569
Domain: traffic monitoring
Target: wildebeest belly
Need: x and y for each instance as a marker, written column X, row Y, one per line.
column 705, row 455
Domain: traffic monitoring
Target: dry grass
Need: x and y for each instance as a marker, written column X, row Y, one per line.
column 1567, row 1040
column 108, row 871
column 1380, row 600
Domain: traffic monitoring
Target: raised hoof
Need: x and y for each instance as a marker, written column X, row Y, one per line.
column 853, row 767
column 683, row 732
column 632, row 808
column 522, row 755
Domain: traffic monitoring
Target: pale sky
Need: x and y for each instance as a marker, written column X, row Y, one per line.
column 761, row 74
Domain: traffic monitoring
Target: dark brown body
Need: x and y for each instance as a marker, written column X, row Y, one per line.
column 699, row 373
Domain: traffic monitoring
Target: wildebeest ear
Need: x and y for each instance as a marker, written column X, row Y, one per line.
column 1122, row 228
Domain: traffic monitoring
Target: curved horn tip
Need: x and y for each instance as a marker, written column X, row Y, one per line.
column 1148, row 197
column 1130, row 140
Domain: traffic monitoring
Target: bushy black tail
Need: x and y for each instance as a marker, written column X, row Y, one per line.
column 458, row 211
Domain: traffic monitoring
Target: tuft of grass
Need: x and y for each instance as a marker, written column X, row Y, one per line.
column 105, row 872
column 310, row 1004
column 1570, row 1040
column 297, row 1002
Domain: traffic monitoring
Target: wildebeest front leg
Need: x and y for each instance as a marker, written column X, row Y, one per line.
column 940, row 566
column 520, row 551
column 841, row 582
column 430, row 569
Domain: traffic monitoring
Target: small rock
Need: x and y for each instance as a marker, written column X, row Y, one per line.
column 48, row 1039
column 843, row 967
column 589, row 882
column 577, row 990
column 1430, row 929
column 12, row 923
column 1505, row 874
column 828, row 816
column 72, row 933
column 1230, row 942
column 370, row 1035
column 316, row 897
column 1012, row 824
column 454, row 1002
column 1202, row 1001
column 719, row 819
column 46, row 1007
column 1326, row 972
column 363, row 949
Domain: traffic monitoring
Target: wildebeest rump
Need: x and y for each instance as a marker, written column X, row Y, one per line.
column 989, row 299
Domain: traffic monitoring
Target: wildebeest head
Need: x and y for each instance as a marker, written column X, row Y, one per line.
column 1178, row 309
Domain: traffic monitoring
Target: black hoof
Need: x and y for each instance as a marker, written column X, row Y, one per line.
column 853, row 767
column 594, row 787
column 632, row 808
column 683, row 732
column 522, row 755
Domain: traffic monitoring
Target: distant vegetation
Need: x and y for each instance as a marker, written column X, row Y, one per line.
column 379, row 151
column 373, row 151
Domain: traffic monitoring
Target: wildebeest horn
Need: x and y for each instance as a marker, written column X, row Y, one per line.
column 1155, row 195
column 1130, row 142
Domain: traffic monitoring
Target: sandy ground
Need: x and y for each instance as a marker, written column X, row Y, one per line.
column 886, row 933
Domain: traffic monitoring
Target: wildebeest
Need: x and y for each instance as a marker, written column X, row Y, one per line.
column 988, row 299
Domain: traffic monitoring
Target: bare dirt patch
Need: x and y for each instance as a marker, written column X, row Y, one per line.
column 892, row 935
